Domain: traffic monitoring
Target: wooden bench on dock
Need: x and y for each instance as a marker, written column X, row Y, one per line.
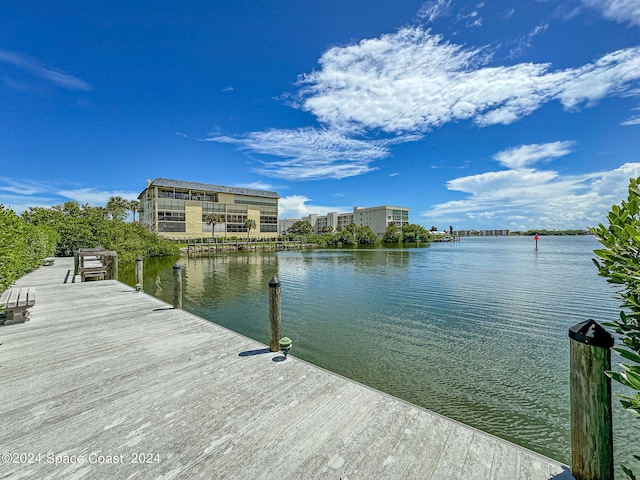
column 14, row 303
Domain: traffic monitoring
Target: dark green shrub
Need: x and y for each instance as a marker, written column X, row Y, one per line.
column 619, row 263
column 23, row 246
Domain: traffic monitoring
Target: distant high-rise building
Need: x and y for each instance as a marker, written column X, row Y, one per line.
column 377, row 218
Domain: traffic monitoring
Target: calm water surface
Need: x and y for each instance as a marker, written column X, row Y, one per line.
column 475, row 330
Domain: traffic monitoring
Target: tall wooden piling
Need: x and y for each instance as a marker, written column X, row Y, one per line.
column 275, row 315
column 114, row 266
column 139, row 273
column 591, row 423
column 177, row 286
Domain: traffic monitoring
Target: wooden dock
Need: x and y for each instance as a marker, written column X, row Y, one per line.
column 104, row 382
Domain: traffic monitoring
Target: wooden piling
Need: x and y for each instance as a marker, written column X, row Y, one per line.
column 139, row 273
column 177, row 286
column 591, row 423
column 114, row 266
column 275, row 315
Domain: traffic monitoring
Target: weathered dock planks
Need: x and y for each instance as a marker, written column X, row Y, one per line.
column 109, row 383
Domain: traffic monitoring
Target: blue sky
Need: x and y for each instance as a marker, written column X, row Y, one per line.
column 499, row 114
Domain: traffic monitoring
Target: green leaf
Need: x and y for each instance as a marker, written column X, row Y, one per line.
column 615, row 376
column 628, row 472
column 620, row 378
column 633, row 378
column 629, row 355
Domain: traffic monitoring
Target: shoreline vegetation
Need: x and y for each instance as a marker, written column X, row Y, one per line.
column 26, row 240
column 301, row 236
column 544, row 232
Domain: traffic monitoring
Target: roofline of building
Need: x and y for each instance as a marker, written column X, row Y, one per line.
column 209, row 187
column 381, row 206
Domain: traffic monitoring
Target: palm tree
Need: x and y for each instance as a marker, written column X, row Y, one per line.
column 213, row 219
column 117, row 208
column 249, row 224
column 134, row 206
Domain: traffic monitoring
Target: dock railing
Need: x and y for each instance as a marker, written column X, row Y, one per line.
column 96, row 262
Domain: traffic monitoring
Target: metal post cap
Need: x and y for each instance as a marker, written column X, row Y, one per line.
column 274, row 282
column 285, row 342
column 176, row 266
column 138, row 259
column 591, row 333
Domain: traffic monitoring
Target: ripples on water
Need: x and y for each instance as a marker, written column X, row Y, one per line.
column 475, row 330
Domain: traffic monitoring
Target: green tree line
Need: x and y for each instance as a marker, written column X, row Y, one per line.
column 23, row 246
column 85, row 227
column 352, row 235
column 26, row 240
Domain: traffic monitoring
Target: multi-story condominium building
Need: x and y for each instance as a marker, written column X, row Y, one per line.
column 178, row 210
column 493, row 233
column 378, row 218
column 481, row 233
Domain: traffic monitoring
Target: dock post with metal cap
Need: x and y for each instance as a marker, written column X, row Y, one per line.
column 591, row 423
column 275, row 315
column 177, row 286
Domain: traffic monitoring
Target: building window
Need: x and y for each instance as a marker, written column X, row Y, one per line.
column 172, row 227
column 255, row 201
column 203, row 196
column 170, row 204
column 268, row 227
column 236, row 219
column 236, row 209
column 235, row 228
column 269, row 211
column 211, row 207
column 171, row 216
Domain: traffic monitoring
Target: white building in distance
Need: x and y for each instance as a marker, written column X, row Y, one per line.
column 377, row 218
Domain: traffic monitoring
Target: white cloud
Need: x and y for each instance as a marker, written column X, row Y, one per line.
column 545, row 197
column 472, row 19
column 21, row 203
column 95, row 197
column 258, row 186
column 523, row 43
column 635, row 120
column 399, row 86
column 432, row 10
column 20, row 194
column 297, row 206
column 311, row 153
column 412, row 81
column 23, row 187
column 621, row 11
column 525, row 155
column 32, row 66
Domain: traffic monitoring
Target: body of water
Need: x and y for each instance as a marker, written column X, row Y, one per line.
column 475, row 330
